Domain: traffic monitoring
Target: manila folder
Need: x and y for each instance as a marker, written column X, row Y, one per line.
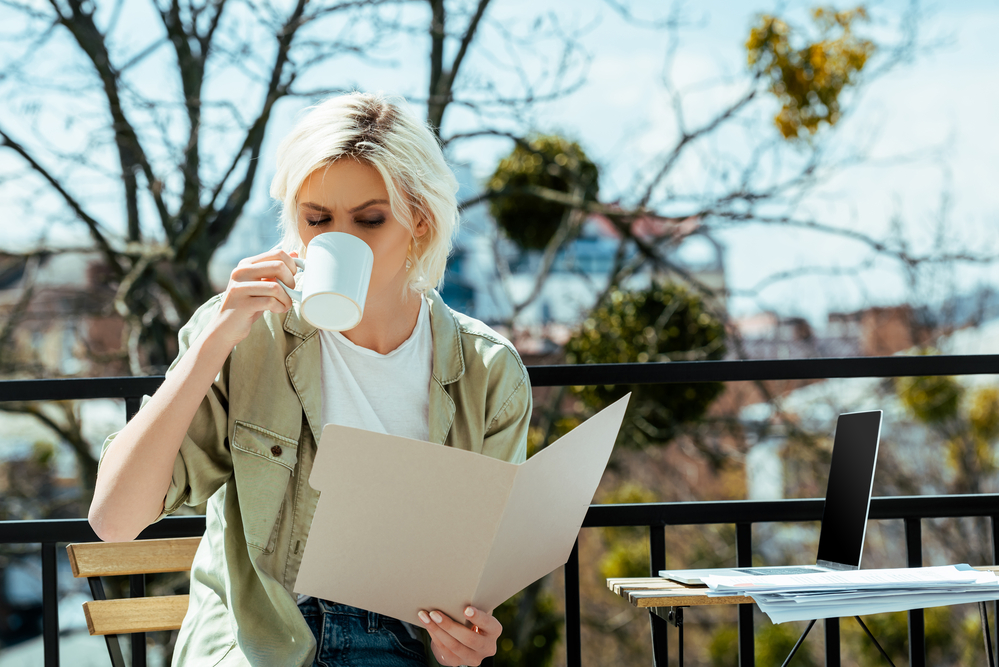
column 403, row 525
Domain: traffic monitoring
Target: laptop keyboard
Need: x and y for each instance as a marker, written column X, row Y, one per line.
column 779, row 570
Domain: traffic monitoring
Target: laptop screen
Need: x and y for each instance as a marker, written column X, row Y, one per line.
column 848, row 495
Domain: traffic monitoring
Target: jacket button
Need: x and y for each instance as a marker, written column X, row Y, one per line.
column 276, row 450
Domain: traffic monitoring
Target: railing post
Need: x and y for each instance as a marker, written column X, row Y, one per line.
column 132, row 404
column 137, row 589
column 995, row 561
column 914, row 558
column 573, row 637
column 744, row 558
column 50, row 605
column 658, row 625
column 657, row 550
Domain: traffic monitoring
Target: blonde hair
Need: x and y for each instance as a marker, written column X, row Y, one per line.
column 384, row 134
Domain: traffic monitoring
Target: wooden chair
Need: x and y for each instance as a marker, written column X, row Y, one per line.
column 136, row 614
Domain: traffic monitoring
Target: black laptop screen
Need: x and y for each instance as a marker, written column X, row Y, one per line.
column 848, row 496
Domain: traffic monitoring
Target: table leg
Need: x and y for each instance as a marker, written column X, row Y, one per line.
column 661, row 618
column 871, row 635
column 797, row 644
column 985, row 632
column 660, row 639
column 676, row 618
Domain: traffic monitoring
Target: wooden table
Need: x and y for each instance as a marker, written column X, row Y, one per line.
column 666, row 599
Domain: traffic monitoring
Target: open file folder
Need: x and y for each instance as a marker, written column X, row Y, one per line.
column 403, row 525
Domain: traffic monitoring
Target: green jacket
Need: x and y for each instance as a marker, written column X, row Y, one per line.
column 249, row 451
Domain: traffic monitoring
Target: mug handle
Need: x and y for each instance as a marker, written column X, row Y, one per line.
column 294, row 293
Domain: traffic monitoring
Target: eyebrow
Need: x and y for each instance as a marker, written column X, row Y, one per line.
column 370, row 202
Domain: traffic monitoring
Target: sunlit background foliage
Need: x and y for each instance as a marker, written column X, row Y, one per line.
column 808, row 76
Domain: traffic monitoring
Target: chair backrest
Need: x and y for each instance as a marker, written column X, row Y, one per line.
column 110, row 618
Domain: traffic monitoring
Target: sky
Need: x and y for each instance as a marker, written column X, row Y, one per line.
column 939, row 112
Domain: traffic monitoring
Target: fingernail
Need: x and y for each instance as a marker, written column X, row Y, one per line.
column 437, row 617
column 423, row 617
column 469, row 612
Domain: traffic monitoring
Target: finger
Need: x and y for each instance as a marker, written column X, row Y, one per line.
column 461, row 632
column 458, row 639
column 272, row 269
column 289, row 261
column 483, row 622
column 274, row 255
column 444, row 656
column 257, row 296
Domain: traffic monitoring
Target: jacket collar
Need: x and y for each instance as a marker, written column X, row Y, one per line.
column 297, row 325
column 449, row 358
column 303, row 367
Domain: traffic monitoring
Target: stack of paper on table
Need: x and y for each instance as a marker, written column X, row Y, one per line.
column 403, row 525
column 796, row 597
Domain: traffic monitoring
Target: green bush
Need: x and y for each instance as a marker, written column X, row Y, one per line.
column 666, row 322
column 550, row 162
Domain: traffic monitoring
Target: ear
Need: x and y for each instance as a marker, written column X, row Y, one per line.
column 422, row 227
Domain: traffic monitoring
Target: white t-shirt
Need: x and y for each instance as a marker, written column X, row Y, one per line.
column 386, row 393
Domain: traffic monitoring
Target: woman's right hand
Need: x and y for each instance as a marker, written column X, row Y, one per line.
column 253, row 288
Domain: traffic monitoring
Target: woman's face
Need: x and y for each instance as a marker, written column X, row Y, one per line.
column 350, row 197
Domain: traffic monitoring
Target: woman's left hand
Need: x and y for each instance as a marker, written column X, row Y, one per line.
column 457, row 644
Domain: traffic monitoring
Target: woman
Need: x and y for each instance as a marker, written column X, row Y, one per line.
column 236, row 422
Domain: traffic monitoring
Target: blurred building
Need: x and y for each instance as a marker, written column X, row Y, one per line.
column 65, row 323
column 869, row 332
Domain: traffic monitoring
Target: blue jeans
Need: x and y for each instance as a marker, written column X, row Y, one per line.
column 350, row 637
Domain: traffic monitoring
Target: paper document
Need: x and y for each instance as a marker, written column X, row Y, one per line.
column 911, row 576
column 857, row 592
column 403, row 525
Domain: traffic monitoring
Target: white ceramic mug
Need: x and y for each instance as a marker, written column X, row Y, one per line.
column 335, row 283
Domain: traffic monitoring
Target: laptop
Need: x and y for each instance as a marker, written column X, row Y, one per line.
column 844, row 516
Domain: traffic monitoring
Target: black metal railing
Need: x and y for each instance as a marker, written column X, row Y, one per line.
column 656, row 516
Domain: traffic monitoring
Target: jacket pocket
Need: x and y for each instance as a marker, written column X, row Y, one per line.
column 262, row 463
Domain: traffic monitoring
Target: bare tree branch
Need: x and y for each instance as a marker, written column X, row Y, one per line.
column 92, row 224
column 80, row 23
column 219, row 227
column 442, row 79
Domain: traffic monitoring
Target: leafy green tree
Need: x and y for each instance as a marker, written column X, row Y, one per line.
column 666, row 322
column 546, row 161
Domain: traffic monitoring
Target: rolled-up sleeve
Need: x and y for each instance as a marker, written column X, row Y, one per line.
column 203, row 463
